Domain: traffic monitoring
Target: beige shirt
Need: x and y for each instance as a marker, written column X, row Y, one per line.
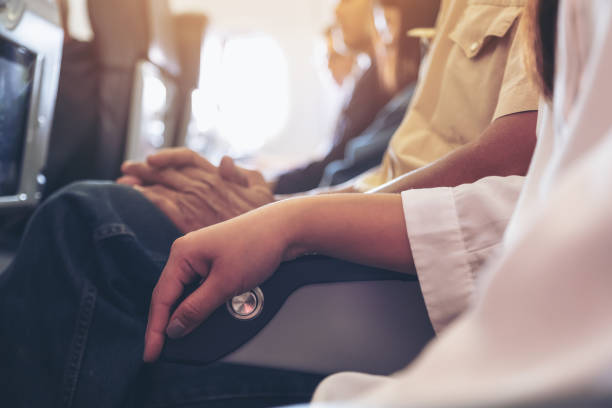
column 475, row 75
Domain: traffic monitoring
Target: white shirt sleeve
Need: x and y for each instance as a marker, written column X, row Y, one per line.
column 452, row 232
column 541, row 326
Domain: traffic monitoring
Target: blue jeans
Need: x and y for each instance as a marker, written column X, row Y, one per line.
column 73, row 311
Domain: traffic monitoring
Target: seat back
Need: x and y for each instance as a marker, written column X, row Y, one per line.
column 125, row 34
column 153, row 111
column 155, row 100
column 30, row 53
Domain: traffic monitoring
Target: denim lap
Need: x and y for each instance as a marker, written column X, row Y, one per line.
column 73, row 310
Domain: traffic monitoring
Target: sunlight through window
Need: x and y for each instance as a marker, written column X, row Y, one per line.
column 244, row 91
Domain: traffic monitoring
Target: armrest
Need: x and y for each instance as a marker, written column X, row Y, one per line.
column 319, row 315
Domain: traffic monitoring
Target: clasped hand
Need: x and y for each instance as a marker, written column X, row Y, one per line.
column 192, row 192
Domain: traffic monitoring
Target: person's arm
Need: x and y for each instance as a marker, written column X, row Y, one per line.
column 365, row 102
column 239, row 254
column 504, row 149
column 309, row 176
column 368, row 230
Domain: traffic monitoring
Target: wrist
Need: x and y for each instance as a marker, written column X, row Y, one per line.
column 293, row 216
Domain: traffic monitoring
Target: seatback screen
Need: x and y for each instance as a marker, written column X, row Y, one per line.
column 16, row 80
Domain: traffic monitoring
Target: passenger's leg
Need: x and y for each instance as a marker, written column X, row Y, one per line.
column 73, row 304
column 73, row 309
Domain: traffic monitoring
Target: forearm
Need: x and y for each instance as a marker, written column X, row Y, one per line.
column 363, row 229
column 504, row 149
column 462, row 166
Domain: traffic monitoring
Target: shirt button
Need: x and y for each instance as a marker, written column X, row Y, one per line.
column 474, row 46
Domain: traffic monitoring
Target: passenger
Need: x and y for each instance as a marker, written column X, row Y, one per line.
column 373, row 89
column 340, row 64
column 395, row 54
column 93, row 253
column 539, row 330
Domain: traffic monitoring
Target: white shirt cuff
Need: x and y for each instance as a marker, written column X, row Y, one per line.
column 439, row 253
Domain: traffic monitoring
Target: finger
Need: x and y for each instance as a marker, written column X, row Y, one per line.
column 138, row 170
column 223, row 197
column 227, row 198
column 199, row 305
column 161, row 197
column 255, row 177
column 254, row 196
column 212, row 181
column 168, row 177
column 176, row 275
column 156, row 193
column 230, row 172
column 179, row 157
column 127, row 163
column 129, row 181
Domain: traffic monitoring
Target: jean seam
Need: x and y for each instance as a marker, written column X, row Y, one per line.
column 77, row 346
column 111, row 230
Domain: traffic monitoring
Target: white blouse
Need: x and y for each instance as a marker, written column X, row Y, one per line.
column 540, row 322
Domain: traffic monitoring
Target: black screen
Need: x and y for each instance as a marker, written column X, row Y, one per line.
column 16, row 79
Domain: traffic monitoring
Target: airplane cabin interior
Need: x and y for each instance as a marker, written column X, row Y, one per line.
column 261, row 107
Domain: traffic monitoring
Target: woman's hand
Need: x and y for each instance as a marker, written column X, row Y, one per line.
column 230, row 258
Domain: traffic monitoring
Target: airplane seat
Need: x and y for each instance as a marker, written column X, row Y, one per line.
column 30, row 56
column 190, row 29
column 120, row 93
column 72, row 142
column 160, row 108
column 132, row 46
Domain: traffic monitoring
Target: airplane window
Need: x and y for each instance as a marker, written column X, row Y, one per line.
column 154, row 102
column 246, row 77
column 152, row 113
